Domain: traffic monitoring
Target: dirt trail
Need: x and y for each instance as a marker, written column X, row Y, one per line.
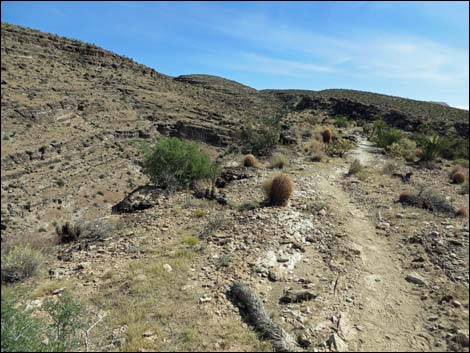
column 389, row 317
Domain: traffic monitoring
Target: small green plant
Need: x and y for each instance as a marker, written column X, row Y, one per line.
column 191, row 240
column 341, row 121
column 279, row 189
column 385, row 135
column 66, row 321
column 19, row 263
column 279, row 161
column 355, row 167
column 20, row 331
column 60, row 182
column 404, row 148
column 173, row 162
column 432, row 147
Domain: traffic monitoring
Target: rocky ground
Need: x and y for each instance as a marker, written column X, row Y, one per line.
column 380, row 276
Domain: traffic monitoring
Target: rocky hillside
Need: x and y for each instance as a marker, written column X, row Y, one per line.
column 344, row 266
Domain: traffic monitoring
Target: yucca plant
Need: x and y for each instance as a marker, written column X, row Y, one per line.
column 432, row 147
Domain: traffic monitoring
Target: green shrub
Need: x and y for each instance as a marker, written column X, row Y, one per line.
column 173, row 162
column 456, row 148
column 432, row 147
column 385, row 135
column 23, row 332
column 341, row 121
column 279, row 161
column 20, row 331
column 405, row 148
column 260, row 138
column 19, row 263
column 66, row 321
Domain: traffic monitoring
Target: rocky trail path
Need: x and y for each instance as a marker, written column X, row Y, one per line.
column 386, row 314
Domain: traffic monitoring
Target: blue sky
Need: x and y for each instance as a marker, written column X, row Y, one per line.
column 417, row 50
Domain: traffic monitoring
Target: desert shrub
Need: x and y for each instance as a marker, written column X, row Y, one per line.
column 261, row 137
column 68, row 232
column 404, row 148
column 385, row 135
column 95, row 230
column 20, row 331
column 355, row 167
column 315, row 149
column 173, row 162
column 427, row 200
column 456, row 148
column 327, row 135
column 279, row 161
column 211, row 227
column 278, row 189
column 341, row 121
column 432, row 147
column 339, row 147
column 64, row 312
column 19, row 263
column 462, row 212
column 250, row 161
column 390, row 167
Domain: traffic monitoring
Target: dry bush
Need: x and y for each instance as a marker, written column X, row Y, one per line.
column 339, row 147
column 19, row 263
column 278, row 189
column 91, row 231
column 315, row 149
column 68, row 232
column 279, row 161
column 250, row 161
column 355, row 167
column 390, row 167
column 428, row 200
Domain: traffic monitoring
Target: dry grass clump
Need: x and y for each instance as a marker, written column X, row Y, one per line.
column 278, row 189
column 390, row 167
column 316, row 150
column 250, row 161
column 279, row 161
column 19, row 263
column 355, row 167
column 458, row 175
